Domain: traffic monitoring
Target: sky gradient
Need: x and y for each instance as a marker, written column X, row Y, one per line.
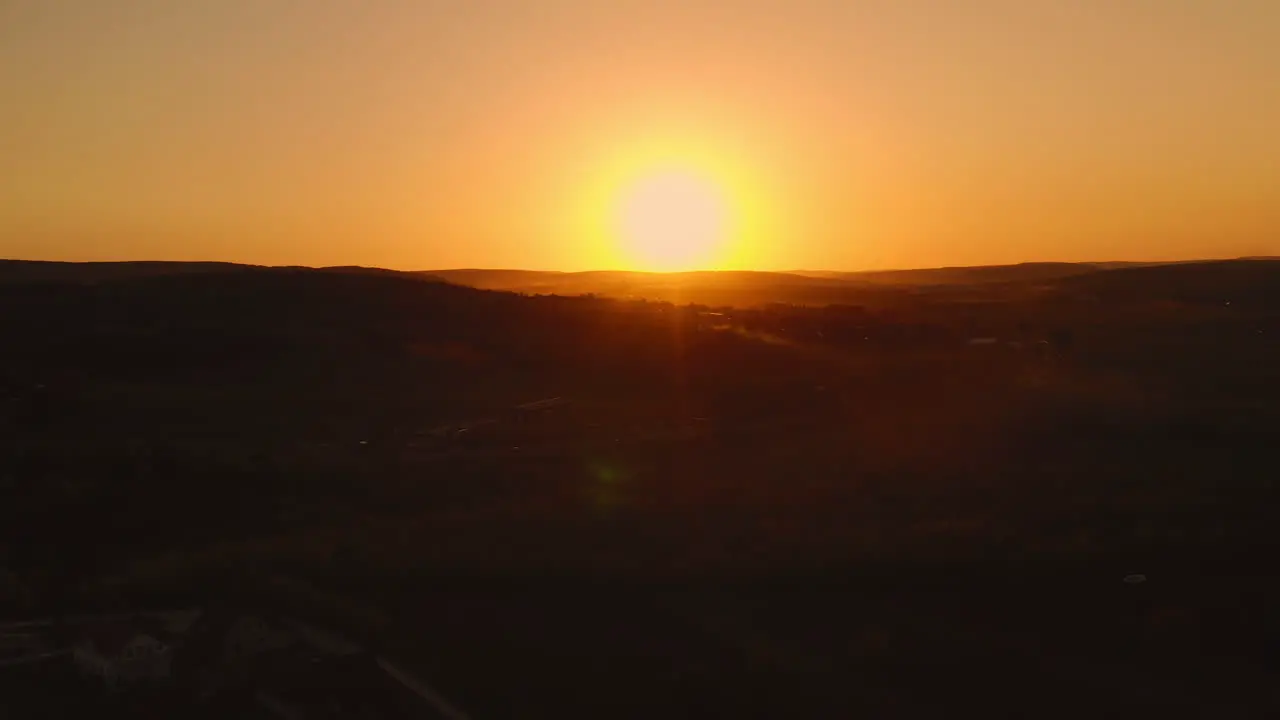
column 850, row 134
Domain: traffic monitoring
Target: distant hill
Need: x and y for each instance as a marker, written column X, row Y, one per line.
column 361, row 270
column 622, row 283
column 1215, row 281
column 877, row 287
column 12, row 271
column 1194, row 280
column 741, row 288
column 498, row 279
column 982, row 274
column 757, row 288
column 41, row 271
column 278, row 328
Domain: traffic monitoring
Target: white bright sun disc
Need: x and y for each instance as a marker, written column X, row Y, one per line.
column 673, row 220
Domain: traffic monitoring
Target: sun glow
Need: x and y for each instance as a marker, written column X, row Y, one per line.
column 674, row 206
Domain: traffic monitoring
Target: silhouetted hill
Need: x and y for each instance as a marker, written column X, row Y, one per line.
column 751, row 288
column 737, row 288
column 609, row 281
column 646, row 284
column 366, row 337
column 499, row 279
column 41, row 271
column 83, row 272
column 871, row 288
column 184, row 320
column 982, row 274
column 381, row 272
column 1217, row 281
column 350, row 306
column 746, row 288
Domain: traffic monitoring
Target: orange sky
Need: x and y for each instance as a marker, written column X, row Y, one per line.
column 850, row 134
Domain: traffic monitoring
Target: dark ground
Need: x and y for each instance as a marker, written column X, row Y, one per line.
column 780, row 511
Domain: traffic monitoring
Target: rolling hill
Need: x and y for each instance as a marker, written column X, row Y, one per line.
column 1189, row 280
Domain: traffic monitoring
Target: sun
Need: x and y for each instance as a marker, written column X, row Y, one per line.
column 672, row 219
column 669, row 203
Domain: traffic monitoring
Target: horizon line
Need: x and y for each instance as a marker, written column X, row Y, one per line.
column 794, row 271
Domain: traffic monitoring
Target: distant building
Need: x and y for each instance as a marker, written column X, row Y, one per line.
column 124, row 653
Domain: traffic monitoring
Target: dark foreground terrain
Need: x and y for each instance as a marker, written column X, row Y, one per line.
column 915, row 501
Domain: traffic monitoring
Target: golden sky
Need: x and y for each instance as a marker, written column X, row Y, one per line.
column 842, row 134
